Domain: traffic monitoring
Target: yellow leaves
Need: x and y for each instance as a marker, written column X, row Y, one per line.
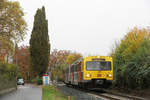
column 132, row 41
column 6, row 44
column 73, row 57
column 12, row 23
column 135, row 36
column 60, row 59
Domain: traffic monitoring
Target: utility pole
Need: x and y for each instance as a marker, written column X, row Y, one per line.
column 16, row 47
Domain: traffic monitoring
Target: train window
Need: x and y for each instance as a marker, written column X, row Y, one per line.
column 106, row 65
column 98, row 65
column 72, row 68
column 76, row 68
column 68, row 70
column 82, row 66
column 79, row 66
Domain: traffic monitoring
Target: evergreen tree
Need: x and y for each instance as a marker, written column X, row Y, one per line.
column 39, row 44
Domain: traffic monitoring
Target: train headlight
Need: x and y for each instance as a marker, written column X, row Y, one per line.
column 109, row 75
column 88, row 75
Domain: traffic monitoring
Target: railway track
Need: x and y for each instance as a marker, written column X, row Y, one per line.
column 104, row 94
column 109, row 95
column 125, row 95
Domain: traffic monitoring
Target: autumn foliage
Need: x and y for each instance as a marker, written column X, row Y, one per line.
column 12, row 31
column 60, row 59
column 23, row 61
column 132, row 59
column 12, row 23
column 72, row 58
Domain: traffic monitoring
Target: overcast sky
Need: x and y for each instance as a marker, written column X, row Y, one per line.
column 88, row 26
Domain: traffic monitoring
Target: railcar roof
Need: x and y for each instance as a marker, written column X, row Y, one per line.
column 98, row 57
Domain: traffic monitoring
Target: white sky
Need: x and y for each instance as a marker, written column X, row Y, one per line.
column 88, row 26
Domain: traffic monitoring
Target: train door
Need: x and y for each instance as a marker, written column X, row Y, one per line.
column 75, row 74
column 72, row 76
column 69, row 75
column 79, row 72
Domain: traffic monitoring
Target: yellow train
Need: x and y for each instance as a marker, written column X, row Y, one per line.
column 90, row 72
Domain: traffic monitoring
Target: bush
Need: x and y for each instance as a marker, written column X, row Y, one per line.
column 37, row 81
column 132, row 60
column 7, row 76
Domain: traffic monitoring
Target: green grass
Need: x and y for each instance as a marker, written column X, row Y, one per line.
column 51, row 93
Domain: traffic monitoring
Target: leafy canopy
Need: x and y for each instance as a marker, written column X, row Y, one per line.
column 131, row 59
column 12, row 23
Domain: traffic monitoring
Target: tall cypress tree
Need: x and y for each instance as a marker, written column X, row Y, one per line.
column 39, row 44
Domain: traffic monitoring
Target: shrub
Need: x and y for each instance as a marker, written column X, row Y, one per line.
column 132, row 60
column 7, row 76
column 37, row 80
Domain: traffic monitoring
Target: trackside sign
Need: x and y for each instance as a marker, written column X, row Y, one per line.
column 46, row 79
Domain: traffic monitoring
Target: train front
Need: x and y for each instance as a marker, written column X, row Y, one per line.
column 98, row 71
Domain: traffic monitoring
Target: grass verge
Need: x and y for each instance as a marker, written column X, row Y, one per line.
column 51, row 93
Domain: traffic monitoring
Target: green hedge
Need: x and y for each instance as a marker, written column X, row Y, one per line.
column 7, row 76
column 134, row 73
column 37, row 80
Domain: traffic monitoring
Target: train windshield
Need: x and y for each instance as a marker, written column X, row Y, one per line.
column 98, row 65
